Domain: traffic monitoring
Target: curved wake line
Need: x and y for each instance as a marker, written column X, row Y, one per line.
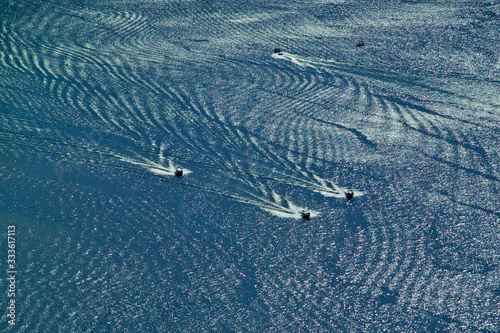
column 293, row 58
column 279, row 206
column 153, row 167
column 383, row 75
column 322, row 186
column 308, row 62
column 284, row 209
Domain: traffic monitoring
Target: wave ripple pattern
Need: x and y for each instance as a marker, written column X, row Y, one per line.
column 183, row 166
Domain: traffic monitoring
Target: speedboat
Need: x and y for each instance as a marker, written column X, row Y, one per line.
column 178, row 172
column 306, row 215
column 349, row 195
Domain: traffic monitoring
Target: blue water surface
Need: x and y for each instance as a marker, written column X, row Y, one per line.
column 101, row 101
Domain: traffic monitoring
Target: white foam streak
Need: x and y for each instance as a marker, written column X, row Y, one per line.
column 293, row 58
column 329, row 189
column 164, row 168
column 282, row 207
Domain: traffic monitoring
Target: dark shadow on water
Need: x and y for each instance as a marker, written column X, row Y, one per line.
column 485, row 210
column 468, row 170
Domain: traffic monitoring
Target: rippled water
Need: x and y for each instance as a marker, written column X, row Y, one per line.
column 100, row 102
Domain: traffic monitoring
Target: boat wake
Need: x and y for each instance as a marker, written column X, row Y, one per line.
column 165, row 167
column 293, row 58
column 280, row 206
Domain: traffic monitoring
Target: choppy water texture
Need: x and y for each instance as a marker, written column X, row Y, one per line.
column 101, row 102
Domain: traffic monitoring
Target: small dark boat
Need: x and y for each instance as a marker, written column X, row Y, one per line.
column 359, row 44
column 349, row 195
column 277, row 50
column 306, row 215
column 178, row 172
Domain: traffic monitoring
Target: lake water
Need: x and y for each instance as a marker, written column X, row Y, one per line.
column 101, row 102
